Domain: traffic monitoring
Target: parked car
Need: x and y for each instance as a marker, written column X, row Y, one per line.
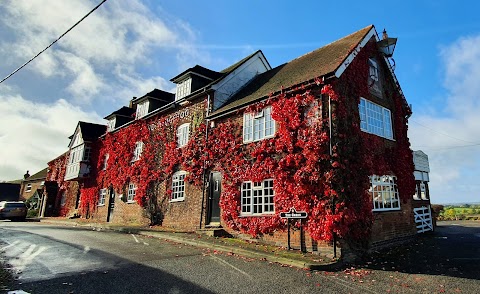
column 13, row 210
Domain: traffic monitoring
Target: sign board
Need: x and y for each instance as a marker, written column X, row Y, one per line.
column 293, row 213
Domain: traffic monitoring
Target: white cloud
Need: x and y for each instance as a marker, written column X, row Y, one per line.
column 441, row 135
column 86, row 83
column 31, row 134
column 120, row 33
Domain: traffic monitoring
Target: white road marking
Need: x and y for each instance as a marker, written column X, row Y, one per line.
column 230, row 265
column 10, row 245
column 136, row 240
column 27, row 257
column 86, row 249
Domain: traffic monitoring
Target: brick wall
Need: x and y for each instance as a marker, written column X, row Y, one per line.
column 34, row 185
column 183, row 215
column 389, row 226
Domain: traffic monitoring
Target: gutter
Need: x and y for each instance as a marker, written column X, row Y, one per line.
column 291, row 89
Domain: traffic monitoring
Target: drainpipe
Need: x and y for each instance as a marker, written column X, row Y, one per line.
column 204, row 164
column 331, row 161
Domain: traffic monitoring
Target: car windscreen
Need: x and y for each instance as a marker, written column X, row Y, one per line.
column 14, row 205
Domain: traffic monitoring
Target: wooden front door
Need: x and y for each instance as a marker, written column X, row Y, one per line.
column 215, row 189
column 111, row 205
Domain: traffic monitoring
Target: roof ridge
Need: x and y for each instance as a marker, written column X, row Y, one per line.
column 333, row 42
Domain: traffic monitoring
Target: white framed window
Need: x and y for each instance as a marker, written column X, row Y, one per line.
column 63, row 200
column 137, row 152
column 105, row 162
column 132, row 189
column 183, row 89
column 416, row 195
column 28, row 188
column 373, row 69
column 183, row 132
column 111, row 124
column 102, row 194
column 258, row 126
column 142, row 109
column 178, row 186
column 423, row 191
column 384, row 193
column 375, row 119
column 257, row 198
column 87, row 153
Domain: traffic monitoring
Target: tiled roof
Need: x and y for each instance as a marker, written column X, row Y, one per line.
column 124, row 111
column 237, row 64
column 321, row 62
column 159, row 94
column 91, row 131
column 201, row 71
column 41, row 175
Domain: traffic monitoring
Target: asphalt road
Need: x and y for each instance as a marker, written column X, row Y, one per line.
column 59, row 259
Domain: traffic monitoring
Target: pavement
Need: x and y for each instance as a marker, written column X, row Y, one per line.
column 228, row 245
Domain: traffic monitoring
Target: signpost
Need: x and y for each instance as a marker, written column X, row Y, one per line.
column 294, row 214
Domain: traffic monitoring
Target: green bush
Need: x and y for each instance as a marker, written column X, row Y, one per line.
column 32, row 213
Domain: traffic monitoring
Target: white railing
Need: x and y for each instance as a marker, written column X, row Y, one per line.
column 423, row 219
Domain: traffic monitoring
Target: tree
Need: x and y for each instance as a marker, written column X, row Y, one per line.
column 450, row 213
column 437, row 209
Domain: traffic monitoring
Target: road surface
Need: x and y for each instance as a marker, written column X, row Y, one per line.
column 60, row 259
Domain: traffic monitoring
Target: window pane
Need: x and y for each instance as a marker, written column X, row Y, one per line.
column 375, row 119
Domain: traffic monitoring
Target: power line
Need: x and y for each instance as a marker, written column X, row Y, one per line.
column 442, row 133
column 23, row 65
column 445, row 148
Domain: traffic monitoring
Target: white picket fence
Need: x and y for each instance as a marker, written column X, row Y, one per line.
column 423, row 219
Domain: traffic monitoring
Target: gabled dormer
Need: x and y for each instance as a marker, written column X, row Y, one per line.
column 80, row 149
column 118, row 118
column 238, row 76
column 151, row 101
column 193, row 79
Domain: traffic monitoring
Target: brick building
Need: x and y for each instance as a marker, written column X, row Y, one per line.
column 324, row 133
column 32, row 188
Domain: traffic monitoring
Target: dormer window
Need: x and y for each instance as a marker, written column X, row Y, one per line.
column 184, row 89
column 142, row 109
column 111, row 124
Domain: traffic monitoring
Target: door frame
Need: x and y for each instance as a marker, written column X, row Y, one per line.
column 111, row 204
column 213, row 207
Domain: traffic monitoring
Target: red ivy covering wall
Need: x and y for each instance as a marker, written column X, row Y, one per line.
column 159, row 159
column 331, row 189
column 56, row 173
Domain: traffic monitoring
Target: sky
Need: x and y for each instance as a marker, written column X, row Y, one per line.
column 127, row 48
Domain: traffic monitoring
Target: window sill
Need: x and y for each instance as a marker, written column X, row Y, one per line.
column 253, row 141
column 387, row 209
column 367, row 132
column 177, row 200
column 131, row 201
column 100, row 205
column 257, row 215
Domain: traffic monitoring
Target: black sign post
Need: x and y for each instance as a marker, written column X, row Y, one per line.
column 293, row 214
